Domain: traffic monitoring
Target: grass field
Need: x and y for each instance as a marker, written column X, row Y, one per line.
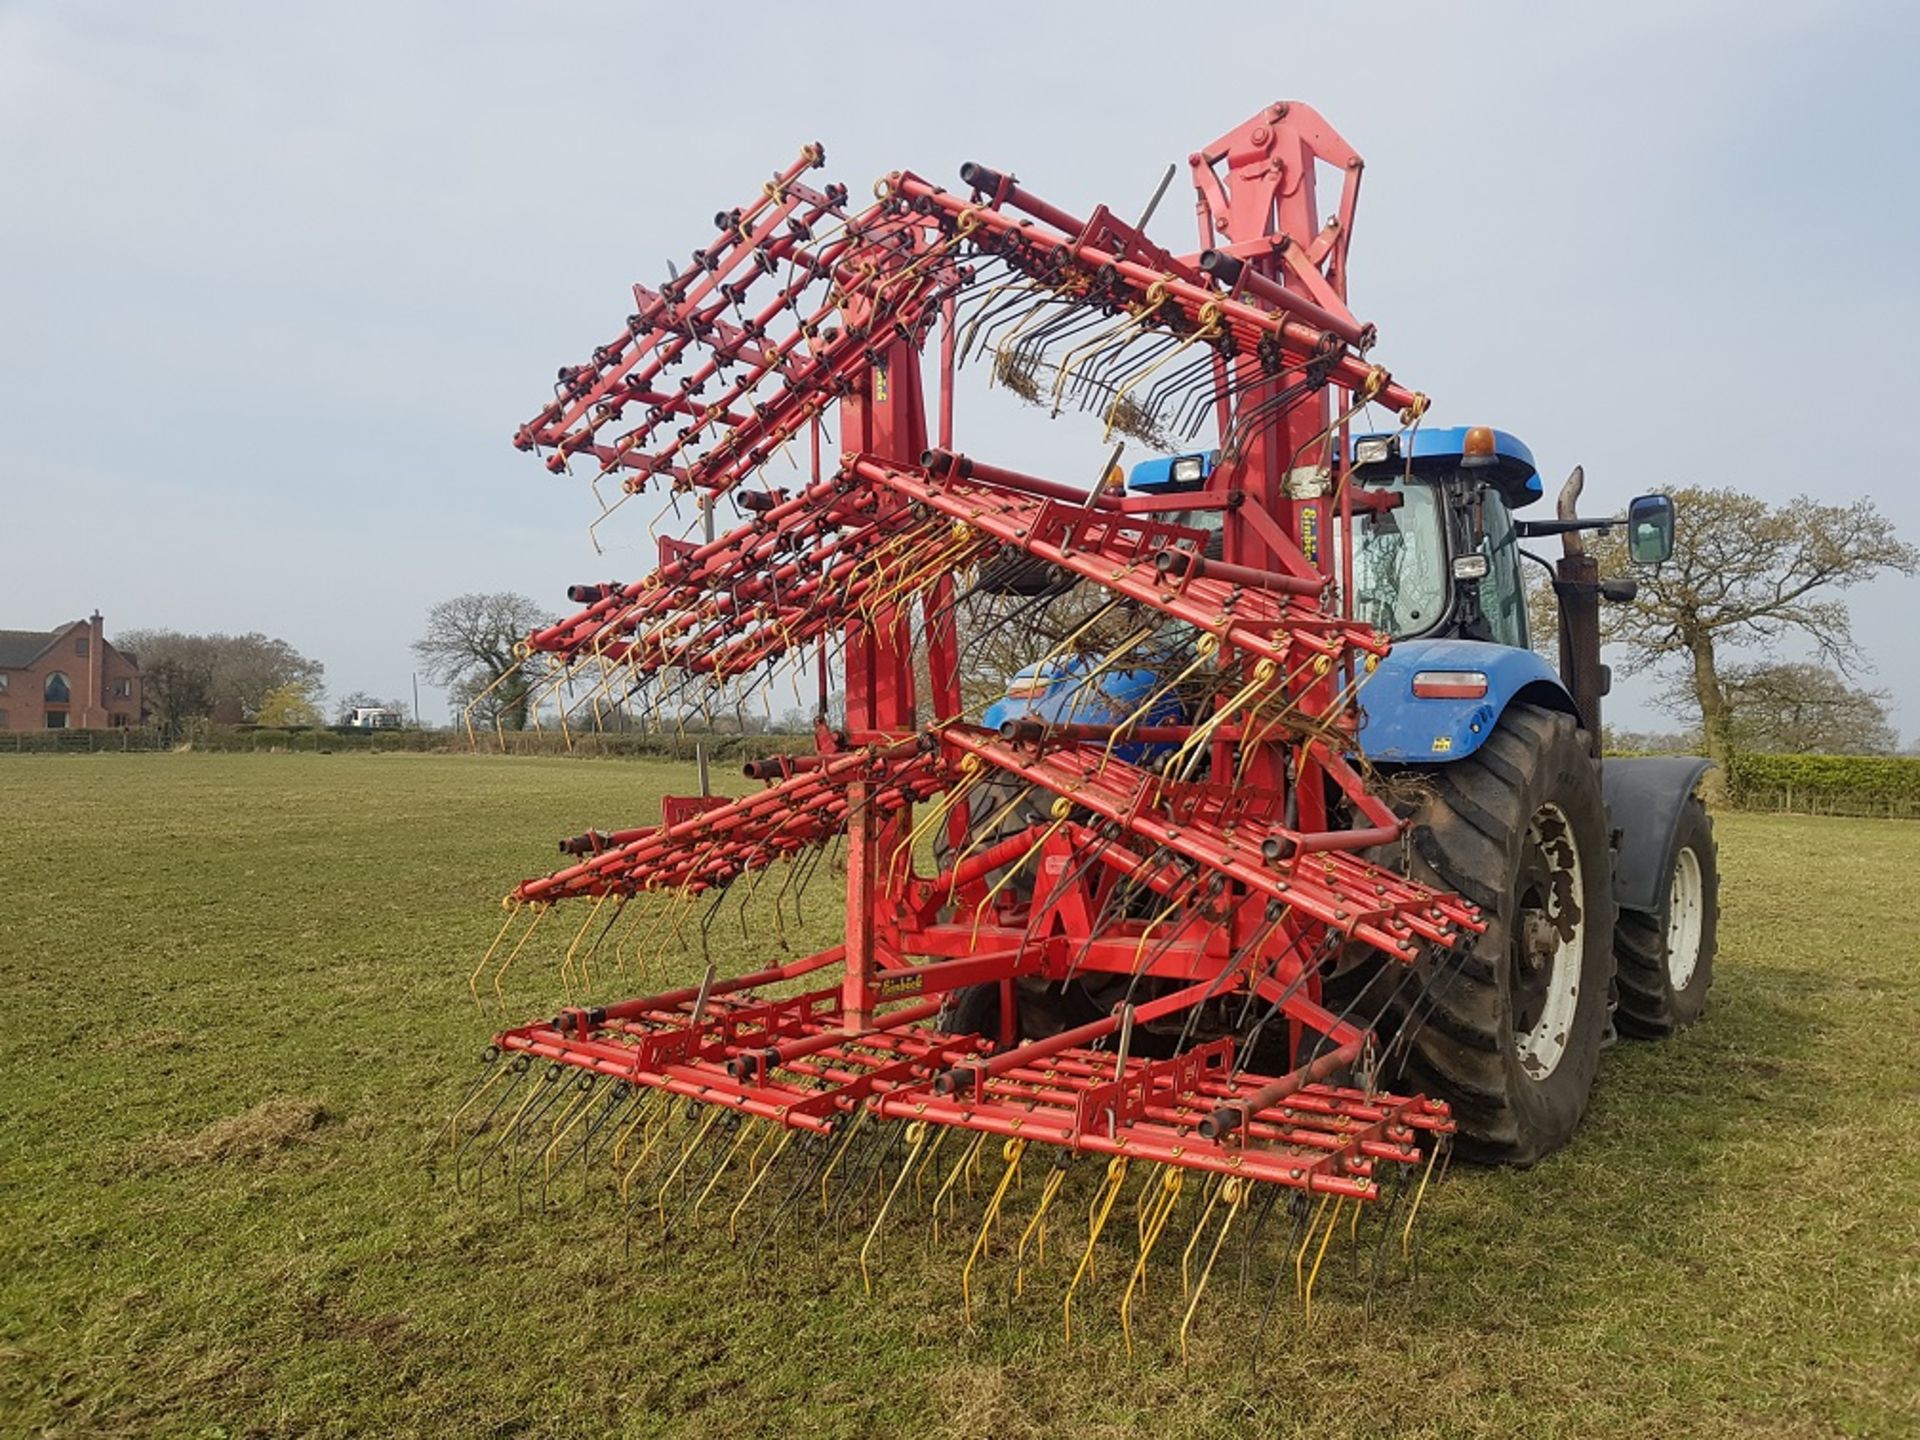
column 235, row 989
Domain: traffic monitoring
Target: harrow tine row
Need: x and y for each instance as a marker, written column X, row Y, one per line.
column 1036, row 1213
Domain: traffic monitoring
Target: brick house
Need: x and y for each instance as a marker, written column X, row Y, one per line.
column 66, row 678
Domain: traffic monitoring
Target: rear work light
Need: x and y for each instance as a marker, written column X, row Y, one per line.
column 1449, row 685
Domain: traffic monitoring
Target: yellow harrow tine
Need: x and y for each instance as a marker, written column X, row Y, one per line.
column 1102, row 1207
column 1012, row 1150
column 916, row 1137
column 1171, row 1182
column 733, row 1216
column 1234, row 1190
column 1036, row 1230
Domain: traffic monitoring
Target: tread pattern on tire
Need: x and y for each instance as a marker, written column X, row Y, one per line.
column 1467, row 836
column 1646, row 1006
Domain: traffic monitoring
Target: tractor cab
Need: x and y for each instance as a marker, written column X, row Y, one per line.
column 1436, row 552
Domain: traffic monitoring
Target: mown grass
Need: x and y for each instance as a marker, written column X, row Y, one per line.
column 235, row 989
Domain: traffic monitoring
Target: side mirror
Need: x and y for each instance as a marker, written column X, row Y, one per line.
column 1650, row 529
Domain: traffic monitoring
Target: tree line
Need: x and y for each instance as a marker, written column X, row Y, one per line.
column 252, row 679
column 1718, row 625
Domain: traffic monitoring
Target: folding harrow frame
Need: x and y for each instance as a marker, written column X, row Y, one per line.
column 1204, row 871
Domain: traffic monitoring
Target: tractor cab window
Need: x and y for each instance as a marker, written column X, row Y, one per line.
column 1399, row 561
column 1503, row 594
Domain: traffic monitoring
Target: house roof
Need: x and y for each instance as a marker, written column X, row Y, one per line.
column 20, row 648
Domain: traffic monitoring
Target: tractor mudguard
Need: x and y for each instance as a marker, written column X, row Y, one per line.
column 1644, row 797
column 1406, row 728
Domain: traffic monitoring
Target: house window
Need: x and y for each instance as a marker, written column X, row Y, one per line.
column 80, row 647
column 3, row 719
column 58, row 691
column 56, row 719
column 122, row 689
column 117, row 721
column 4, row 677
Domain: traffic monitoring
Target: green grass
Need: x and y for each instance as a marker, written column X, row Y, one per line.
column 235, row 989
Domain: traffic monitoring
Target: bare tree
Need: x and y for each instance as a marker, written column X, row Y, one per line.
column 174, row 691
column 469, row 647
column 202, row 675
column 1804, row 709
column 1743, row 574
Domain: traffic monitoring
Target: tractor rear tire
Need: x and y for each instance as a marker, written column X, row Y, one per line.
column 1665, row 958
column 1511, row 1034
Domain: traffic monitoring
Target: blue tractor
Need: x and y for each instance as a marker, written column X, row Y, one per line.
column 1599, row 879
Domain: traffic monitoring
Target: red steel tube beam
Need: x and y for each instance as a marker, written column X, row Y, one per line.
column 977, row 1071
column 636, row 1009
column 1228, row 1118
column 944, row 463
column 1184, row 564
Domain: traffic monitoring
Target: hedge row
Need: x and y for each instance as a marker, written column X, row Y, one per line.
column 1822, row 784
column 721, row 749
column 1827, row 784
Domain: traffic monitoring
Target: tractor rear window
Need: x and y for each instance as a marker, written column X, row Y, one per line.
column 1400, row 560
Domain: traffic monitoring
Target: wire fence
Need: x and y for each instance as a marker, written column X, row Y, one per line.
column 1806, row 800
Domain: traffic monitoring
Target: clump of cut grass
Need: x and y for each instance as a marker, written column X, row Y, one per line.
column 273, row 1125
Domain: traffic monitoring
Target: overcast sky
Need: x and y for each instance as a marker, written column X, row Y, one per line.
column 277, row 282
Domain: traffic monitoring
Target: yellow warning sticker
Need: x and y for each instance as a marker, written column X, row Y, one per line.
column 1442, row 744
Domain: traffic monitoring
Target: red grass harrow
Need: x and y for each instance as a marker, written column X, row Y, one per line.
column 1119, row 916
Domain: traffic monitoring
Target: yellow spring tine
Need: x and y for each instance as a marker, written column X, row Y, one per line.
column 641, row 1113
column 1103, row 1207
column 1062, row 812
column 1235, row 1191
column 738, row 1145
column 566, row 961
column 473, row 980
column 919, row 1195
column 1332, row 1224
column 917, row 1137
column 1012, row 1150
column 959, row 1166
column 1162, row 1210
column 453, row 1120
column 1212, row 1192
column 1300, row 1255
column 1036, row 1230
column 974, row 771
column 1146, row 1198
column 840, row 1150
column 1262, row 674
column 578, row 1110
column 733, row 1216
column 686, row 1154
column 539, row 913
column 992, row 824
column 1406, row 1235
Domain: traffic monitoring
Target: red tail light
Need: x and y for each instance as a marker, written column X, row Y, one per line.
column 1450, row 685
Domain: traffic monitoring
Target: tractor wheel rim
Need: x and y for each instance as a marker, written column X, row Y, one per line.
column 1686, row 910
column 1547, row 991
